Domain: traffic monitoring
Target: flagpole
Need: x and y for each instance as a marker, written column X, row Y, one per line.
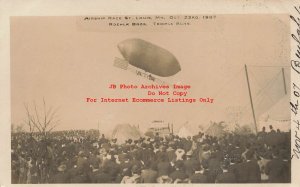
column 98, row 129
column 249, row 89
column 284, row 83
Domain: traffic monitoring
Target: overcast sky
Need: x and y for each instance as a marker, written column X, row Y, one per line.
column 52, row 58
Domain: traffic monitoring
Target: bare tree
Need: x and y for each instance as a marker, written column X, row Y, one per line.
column 27, row 121
column 43, row 119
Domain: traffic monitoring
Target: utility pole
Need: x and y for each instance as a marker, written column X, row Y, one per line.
column 98, row 129
column 249, row 89
column 284, row 83
column 172, row 129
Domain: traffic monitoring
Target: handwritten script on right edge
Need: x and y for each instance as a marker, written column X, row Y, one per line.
column 294, row 103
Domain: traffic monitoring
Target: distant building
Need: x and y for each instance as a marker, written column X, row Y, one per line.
column 160, row 127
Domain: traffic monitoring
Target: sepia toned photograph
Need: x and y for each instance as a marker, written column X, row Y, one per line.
column 131, row 99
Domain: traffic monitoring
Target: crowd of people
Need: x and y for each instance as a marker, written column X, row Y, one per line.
column 81, row 157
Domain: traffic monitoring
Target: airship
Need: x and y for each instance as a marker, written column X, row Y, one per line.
column 148, row 57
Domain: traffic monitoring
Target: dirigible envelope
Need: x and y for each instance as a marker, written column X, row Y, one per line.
column 149, row 57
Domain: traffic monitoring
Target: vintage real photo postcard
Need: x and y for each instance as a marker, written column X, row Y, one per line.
column 156, row 98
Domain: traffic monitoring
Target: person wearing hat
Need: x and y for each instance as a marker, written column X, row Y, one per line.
column 225, row 176
column 248, row 171
column 99, row 175
column 234, row 165
column 198, row 176
column 204, row 153
column 161, row 152
column 264, row 158
column 271, row 129
column 190, row 163
column 217, row 152
column 237, row 150
column 123, row 153
column 149, row 173
column 113, row 168
column 103, row 139
column 135, row 176
column 276, row 169
column 62, row 176
column 163, row 166
column 285, row 156
column 136, row 160
column 171, row 152
column 114, row 142
column 73, row 170
column 22, row 168
column 209, row 174
column 179, row 173
column 33, row 172
column 274, row 137
column 214, row 166
column 93, row 159
column 147, row 153
column 187, row 143
column 82, row 162
column 261, row 135
column 125, row 166
column 81, row 159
